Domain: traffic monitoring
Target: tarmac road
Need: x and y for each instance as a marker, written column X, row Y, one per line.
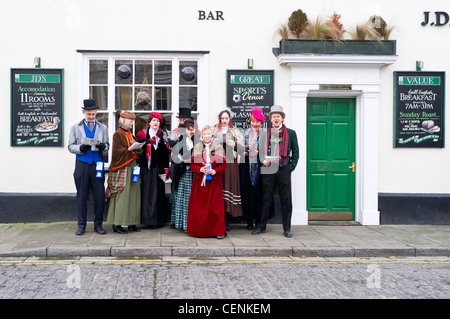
column 237, row 278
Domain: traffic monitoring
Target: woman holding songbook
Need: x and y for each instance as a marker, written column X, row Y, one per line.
column 206, row 214
column 123, row 189
column 154, row 164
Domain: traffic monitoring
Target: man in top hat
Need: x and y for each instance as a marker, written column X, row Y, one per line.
column 279, row 153
column 87, row 158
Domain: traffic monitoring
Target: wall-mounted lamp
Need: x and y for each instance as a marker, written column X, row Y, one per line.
column 37, row 62
column 419, row 65
column 250, row 64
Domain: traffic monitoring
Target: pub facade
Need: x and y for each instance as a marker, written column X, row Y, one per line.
column 363, row 89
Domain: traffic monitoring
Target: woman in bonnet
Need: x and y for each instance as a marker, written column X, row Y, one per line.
column 154, row 162
column 124, row 194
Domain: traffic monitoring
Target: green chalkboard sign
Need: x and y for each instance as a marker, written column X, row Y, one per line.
column 247, row 89
column 419, row 105
column 37, row 107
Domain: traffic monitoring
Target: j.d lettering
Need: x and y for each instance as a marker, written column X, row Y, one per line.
column 441, row 18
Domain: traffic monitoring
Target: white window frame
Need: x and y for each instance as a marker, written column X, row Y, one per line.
column 202, row 58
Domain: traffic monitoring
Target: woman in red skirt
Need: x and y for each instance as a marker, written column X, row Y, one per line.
column 206, row 214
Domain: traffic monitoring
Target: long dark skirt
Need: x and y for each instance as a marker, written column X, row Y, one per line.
column 153, row 198
column 251, row 195
column 231, row 190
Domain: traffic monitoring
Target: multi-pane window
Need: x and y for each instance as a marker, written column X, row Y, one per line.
column 98, row 87
column 143, row 84
column 188, row 85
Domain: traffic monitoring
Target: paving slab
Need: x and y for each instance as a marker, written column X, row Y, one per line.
column 136, row 239
column 374, row 237
column 309, row 237
column 342, row 237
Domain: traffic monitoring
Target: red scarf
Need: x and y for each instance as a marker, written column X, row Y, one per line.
column 144, row 135
column 283, row 142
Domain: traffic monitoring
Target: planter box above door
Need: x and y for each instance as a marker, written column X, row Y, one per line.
column 353, row 47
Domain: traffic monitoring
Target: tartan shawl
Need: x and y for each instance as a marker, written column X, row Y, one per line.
column 116, row 182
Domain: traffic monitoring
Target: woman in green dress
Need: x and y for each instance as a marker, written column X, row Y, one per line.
column 124, row 194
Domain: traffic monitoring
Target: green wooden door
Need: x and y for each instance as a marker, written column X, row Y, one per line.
column 331, row 159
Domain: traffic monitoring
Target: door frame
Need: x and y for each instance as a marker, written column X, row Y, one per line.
column 366, row 174
column 325, row 216
column 361, row 75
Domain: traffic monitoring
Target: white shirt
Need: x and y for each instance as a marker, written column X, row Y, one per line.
column 152, row 134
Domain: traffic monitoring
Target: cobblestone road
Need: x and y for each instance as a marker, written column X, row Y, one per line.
column 230, row 278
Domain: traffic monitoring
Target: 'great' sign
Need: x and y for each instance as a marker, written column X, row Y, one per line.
column 247, row 89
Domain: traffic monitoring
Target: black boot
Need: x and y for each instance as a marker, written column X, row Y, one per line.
column 133, row 228
column 119, row 229
column 227, row 224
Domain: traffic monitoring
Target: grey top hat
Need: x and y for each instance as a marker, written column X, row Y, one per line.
column 89, row 104
column 277, row 109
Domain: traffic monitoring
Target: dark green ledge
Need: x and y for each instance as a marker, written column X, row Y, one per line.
column 353, row 47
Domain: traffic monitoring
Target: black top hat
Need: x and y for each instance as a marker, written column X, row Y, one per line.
column 185, row 112
column 89, row 104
